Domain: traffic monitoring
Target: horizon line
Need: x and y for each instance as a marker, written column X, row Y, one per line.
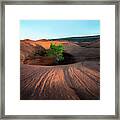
column 63, row 37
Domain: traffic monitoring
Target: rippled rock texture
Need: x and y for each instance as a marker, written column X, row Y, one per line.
column 76, row 81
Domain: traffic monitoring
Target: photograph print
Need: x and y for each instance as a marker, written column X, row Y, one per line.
column 59, row 60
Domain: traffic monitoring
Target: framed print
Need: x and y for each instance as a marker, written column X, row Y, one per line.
column 59, row 59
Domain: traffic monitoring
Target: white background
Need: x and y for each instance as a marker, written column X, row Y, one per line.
column 104, row 106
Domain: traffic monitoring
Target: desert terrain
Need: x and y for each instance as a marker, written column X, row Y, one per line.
column 76, row 78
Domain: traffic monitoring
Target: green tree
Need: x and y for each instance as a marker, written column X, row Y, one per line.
column 56, row 50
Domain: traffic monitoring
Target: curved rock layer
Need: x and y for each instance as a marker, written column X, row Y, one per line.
column 78, row 81
column 67, row 82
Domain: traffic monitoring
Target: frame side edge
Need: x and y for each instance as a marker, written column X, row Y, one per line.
column 2, row 59
column 117, row 9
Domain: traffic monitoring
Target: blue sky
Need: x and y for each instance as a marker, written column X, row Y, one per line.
column 49, row 29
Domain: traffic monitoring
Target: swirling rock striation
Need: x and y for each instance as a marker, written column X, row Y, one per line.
column 76, row 81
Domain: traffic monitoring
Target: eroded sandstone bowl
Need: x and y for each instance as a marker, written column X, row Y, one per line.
column 75, row 80
column 40, row 60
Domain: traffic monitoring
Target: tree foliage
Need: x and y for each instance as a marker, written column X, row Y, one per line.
column 56, row 50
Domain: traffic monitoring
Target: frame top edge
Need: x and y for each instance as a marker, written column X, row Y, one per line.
column 61, row 2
